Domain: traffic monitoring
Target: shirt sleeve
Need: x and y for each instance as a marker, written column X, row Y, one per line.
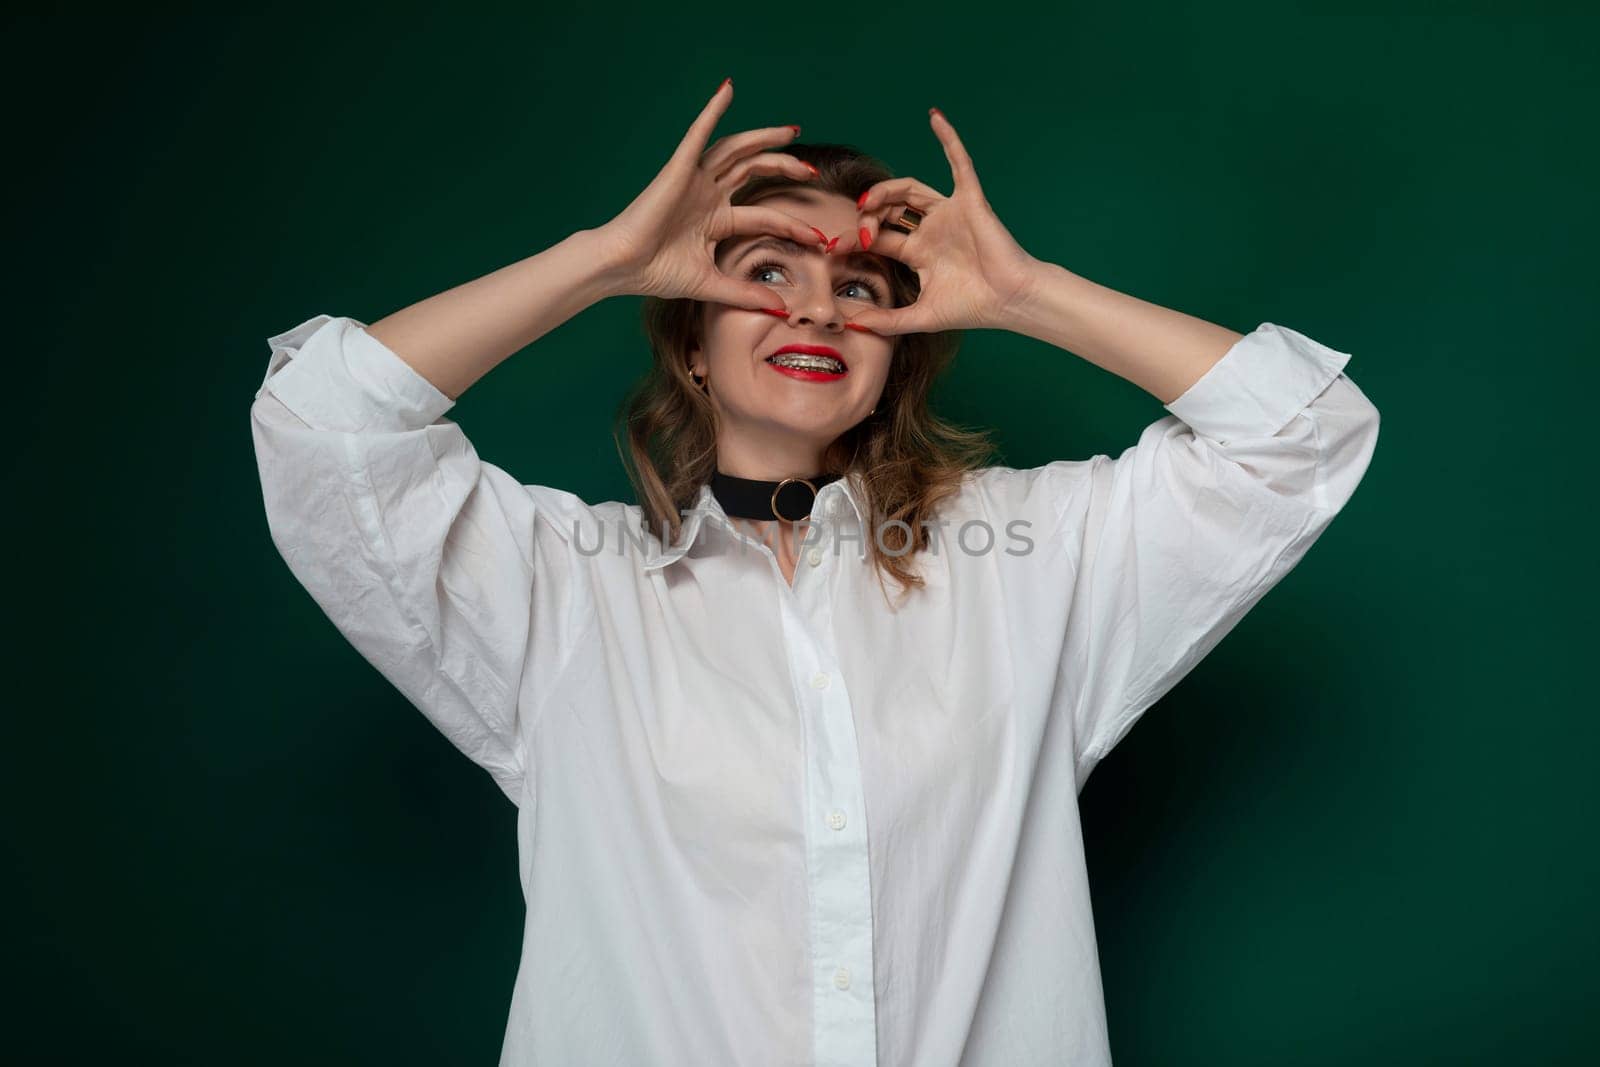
column 1188, row 529
column 450, row 577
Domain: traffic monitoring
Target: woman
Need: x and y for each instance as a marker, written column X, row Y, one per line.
column 769, row 813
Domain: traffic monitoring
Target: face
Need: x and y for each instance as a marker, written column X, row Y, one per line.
column 774, row 424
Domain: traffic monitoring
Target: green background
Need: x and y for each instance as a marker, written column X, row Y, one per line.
column 1360, row 832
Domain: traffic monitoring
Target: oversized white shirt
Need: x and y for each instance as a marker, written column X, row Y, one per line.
column 777, row 825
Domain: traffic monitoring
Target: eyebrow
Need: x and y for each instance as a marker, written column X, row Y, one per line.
column 858, row 260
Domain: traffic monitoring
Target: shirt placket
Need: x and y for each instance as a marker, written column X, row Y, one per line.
column 844, row 1023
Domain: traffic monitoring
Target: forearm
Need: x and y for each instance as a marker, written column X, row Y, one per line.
column 456, row 337
column 1162, row 351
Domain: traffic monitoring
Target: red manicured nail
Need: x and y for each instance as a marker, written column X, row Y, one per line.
column 866, row 239
column 856, row 326
column 831, row 244
column 861, row 201
column 782, row 314
column 723, row 86
column 815, row 173
column 796, row 130
column 822, row 237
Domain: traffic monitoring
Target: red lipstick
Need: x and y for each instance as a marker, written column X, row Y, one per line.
column 807, row 374
column 811, row 350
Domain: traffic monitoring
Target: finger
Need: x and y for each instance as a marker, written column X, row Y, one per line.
column 694, row 141
column 736, row 146
column 961, row 168
column 890, row 244
column 873, row 235
column 867, row 227
column 908, row 191
column 767, row 163
column 885, row 201
column 722, row 289
column 889, row 322
column 756, row 219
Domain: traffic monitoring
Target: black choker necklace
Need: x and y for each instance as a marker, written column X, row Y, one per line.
column 788, row 500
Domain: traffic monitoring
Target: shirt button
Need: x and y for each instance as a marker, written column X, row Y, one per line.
column 836, row 819
column 814, row 557
column 819, row 680
column 841, row 978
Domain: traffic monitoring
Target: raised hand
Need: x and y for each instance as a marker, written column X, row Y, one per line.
column 663, row 242
column 973, row 272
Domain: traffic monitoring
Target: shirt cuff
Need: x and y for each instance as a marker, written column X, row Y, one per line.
column 335, row 376
column 1262, row 382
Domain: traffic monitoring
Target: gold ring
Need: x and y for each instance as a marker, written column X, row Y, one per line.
column 783, row 483
column 908, row 221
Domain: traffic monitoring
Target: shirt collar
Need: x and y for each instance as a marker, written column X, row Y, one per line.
column 707, row 511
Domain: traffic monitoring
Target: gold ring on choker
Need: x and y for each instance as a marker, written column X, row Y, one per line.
column 776, row 491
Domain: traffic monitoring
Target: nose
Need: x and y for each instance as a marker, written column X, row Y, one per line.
column 815, row 304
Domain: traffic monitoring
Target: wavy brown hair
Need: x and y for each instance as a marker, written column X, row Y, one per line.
column 906, row 459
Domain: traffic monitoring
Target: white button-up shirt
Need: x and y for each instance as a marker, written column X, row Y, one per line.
column 773, row 824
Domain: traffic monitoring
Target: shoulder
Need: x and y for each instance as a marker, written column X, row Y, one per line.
column 1040, row 492
column 566, row 512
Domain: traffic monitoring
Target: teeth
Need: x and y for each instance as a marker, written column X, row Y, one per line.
column 803, row 361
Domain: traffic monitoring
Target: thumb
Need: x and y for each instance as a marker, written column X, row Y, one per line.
column 880, row 321
column 724, row 290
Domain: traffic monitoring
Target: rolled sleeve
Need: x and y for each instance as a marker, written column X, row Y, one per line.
column 344, row 379
column 1262, row 382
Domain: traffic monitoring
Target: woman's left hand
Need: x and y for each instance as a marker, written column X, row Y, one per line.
column 974, row 274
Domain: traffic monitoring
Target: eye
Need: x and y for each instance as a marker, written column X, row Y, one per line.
column 875, row 293
column 871, row 289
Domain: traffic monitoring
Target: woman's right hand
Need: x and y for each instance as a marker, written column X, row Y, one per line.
column 663, row 243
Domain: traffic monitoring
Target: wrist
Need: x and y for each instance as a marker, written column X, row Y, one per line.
column 1047, row 304
column 611, row 271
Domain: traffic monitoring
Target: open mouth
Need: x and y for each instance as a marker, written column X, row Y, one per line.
column 809, row 360
column 814, row 364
